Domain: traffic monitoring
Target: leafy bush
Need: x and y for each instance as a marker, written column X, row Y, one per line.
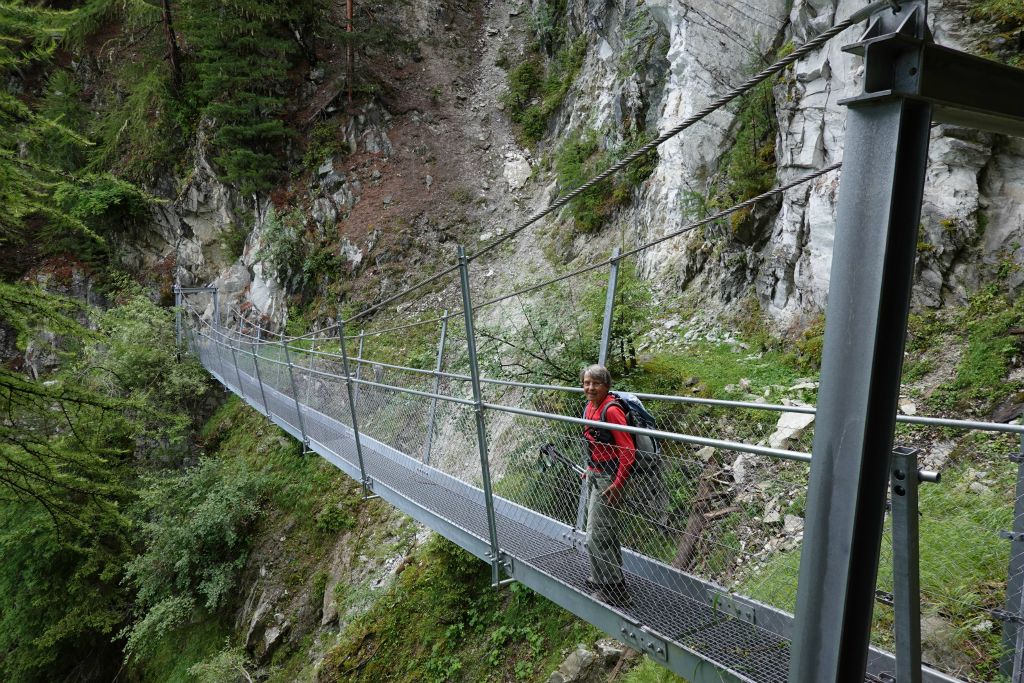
column 195, row 538
column 535, row 93
column 284, row 249
column 579, row 158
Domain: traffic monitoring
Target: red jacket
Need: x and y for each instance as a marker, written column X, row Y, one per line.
column 622, row 447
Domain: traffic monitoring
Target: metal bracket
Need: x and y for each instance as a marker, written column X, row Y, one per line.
column 733, row 606
column 642, row 640
column 1012, row 535
column 884, row 597
column 1016, row 457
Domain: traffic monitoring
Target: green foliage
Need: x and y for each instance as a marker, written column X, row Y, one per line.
column 557, row 340
column 536, row 91
column 323, row 142
column 284, row 245
column 141, row 128
column 980, row 380
column 196, row 537
column 230, row 664
column 1008, row 17
column 62, row 104
column 243, row 52
column 580, row 157
column 577, row 160
column 233, row 239
column 748, row 167
column 63, row 533
column 810, row 345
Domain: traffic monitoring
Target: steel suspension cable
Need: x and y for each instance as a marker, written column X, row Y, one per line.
column 676, row 233
column 747, row 85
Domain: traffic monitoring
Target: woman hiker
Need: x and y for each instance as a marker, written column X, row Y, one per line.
column 612, row 453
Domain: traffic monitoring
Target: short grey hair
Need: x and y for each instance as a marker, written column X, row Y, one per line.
column 598, row 373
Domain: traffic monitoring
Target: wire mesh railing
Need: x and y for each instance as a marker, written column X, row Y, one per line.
column 726, row 515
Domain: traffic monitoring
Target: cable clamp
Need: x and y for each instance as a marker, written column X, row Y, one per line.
column 1012, row 535
column 1006, row 616
column 885, row 598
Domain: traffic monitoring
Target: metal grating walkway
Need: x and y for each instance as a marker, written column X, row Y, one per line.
column 687, row 632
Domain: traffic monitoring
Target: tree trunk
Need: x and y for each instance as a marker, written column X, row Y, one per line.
column 351, row 67
column 174, row 54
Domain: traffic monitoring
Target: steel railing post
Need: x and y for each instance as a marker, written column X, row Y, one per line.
column 259, row 378
column 906, row 579
column 234, row 358
column 366, row 483
column 295, row 393
column 609, row 306
column 359, row 365
column 216, row 309
column 877, row 218
column 481, row 429
column 177, row 317
column 309, row 371
column 1013, row 635
column 602, row 359
column 437, row 385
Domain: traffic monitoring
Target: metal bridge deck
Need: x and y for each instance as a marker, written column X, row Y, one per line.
column 703, row 642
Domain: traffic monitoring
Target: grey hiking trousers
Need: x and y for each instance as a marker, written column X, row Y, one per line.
column 603, row 526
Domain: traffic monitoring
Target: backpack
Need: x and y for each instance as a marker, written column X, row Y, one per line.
column 647, row 447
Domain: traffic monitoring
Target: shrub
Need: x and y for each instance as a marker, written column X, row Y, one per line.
column 195, row 538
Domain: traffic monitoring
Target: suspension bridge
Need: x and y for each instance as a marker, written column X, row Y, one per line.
column 710, row 592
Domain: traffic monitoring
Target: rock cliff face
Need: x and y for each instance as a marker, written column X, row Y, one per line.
column 972, row 220
column 648, row 66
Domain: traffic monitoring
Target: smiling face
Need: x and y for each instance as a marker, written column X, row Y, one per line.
column 595, row 390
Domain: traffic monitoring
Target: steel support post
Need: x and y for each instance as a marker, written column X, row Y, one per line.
column 437, row 385
column 310, row 375
column 177, row 317
column 1013, row 635
column 366, row 483
column 216, row 309
column 234, row 358
column 884, row 159
column 906, row 578
column 295, row 393
column 609, row 307
column 602, row 359
column 481, row 430
column 259, row 378
column 359, row 364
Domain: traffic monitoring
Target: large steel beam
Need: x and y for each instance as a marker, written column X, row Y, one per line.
column 884, row 161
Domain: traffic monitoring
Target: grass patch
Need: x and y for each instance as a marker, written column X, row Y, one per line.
column 980, row 381
column 442, row 621
column 714, row 366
